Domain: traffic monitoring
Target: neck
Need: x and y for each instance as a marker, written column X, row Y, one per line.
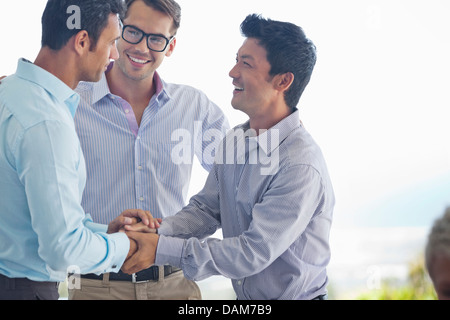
column 59, row 63
column 268, row 118
column 133, row 91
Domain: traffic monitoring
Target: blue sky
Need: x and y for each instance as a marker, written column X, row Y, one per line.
column 416, row 205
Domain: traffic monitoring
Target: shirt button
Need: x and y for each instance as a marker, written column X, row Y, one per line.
column 239, row 282
column 141, row 198
column 140, row 168
column 127, row 110
column 138, row 137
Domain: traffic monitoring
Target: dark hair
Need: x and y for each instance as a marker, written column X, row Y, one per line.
column 94, row 15
column 288, row 50
column 168, row 7
column 438, row 240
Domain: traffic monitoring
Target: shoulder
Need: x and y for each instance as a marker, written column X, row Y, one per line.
column 84, row 86
column 300, row 149
column 176, row 90
column 85, row 89
column 197, row 100
column 28, row 102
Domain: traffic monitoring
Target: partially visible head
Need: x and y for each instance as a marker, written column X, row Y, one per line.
column 158, row 18
column 169, row 7
column 288, row 50
column 58, row 27
column 437, row 256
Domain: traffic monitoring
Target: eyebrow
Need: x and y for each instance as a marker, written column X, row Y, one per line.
column 245, row 56
column 114, row 40
column 151, row 34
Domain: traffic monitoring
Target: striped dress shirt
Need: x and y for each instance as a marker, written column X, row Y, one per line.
column 273, row 199
column 148, row 166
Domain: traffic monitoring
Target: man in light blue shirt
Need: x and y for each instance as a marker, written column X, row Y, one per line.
column 139, row 136
column 44, row 231
column 269, row 189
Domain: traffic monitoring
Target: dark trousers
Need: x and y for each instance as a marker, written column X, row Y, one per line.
column 25, row 289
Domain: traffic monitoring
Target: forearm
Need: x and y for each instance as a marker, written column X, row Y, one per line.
column 231, row 257
column 200, row 218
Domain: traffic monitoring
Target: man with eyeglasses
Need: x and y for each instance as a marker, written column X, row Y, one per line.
column 126, row 125
column 155, row 42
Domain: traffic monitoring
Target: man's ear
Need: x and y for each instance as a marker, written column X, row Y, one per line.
column 172, row 45
column 284, row 81
column 81, row 42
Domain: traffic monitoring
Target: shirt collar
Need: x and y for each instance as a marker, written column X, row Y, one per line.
column 53, row 85
column 101, row 88
column 272, row 138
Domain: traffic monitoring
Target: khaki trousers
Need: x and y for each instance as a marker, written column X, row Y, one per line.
column 173, row 287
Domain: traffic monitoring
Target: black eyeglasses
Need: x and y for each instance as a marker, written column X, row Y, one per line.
column 155, row 42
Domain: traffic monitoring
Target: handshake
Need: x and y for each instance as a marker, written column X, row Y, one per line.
column 141, row 229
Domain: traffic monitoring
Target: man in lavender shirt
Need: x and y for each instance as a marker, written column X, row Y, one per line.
column 269, row 189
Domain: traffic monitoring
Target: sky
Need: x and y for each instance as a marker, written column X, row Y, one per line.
column 377, row 103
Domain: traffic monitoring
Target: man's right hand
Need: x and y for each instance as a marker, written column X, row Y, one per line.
column 133, row 249
column 145, row 255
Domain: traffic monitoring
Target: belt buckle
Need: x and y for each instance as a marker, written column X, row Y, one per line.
column 134, row 279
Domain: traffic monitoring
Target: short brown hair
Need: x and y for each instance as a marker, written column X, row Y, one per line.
column 169, row 7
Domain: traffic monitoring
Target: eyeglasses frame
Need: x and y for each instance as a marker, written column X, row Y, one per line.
column 146, row 36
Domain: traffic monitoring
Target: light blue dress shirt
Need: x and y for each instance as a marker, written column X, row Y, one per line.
column 148, row 166
column 273, row 200
column 44, row 231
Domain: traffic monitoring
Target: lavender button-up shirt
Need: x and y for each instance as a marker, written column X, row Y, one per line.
column 273, row 198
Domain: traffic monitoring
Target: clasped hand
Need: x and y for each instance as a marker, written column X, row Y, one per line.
column 140, row 227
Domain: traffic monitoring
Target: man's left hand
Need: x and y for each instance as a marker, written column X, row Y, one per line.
column 130, row 217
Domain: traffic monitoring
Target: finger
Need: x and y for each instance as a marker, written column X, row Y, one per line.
column 145, row 216
column 128, row 266
column 135, row 264
column 139, row 228
column 127, row 220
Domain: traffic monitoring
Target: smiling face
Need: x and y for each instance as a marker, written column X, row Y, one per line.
column 254, row 90
column 137, row 61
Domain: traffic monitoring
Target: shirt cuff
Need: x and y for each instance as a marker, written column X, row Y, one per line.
column 165, row 229
column 122, row 246
column 169, row 251
column 119, row 241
